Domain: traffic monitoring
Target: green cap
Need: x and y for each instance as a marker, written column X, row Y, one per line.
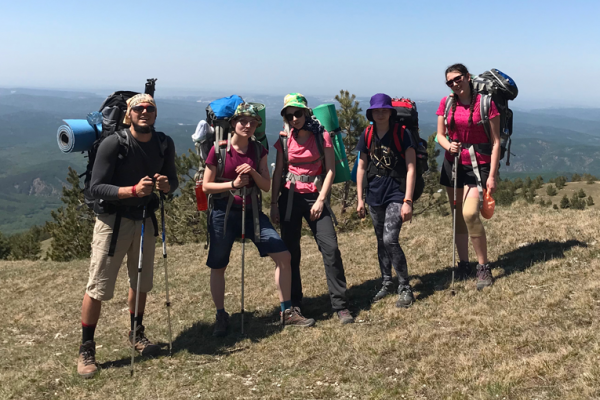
column 294, row 100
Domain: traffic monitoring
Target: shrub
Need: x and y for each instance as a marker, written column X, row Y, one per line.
column 551, row 190
column 4, row 247
column 581, row 194
column 560, row 182
column 589, row 201
column 564, row 202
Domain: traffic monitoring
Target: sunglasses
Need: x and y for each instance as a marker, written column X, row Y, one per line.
column 454, row 80
column 140, row 109
column 248, row 121
column 297, row 114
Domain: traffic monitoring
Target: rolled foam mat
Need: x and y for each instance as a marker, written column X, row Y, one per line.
column 77, row 135
column 327, row 116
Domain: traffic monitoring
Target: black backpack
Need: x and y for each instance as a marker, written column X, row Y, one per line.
column 113, row 111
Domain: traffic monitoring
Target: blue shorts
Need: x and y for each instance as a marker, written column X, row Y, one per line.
column 220, row 245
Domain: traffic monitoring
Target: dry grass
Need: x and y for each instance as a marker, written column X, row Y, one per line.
column 533, row 335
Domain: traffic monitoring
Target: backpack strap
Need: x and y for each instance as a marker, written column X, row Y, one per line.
column 163, row 143
column 398, row 139
column 368, row 136
column 447, row 107
column 484, row 108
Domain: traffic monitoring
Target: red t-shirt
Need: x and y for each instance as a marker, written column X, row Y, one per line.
column 309, row 151
column 464, row 133
column 232, row 160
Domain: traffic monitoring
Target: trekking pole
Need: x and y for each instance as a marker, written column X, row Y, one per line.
column 137, row 292
column 454, row 171
column 243, row 248
column 164, row 247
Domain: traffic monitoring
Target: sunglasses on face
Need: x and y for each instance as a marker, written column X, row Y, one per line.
column 457, row 80
column 297, row 114
column 248, row 121
column 140, row 109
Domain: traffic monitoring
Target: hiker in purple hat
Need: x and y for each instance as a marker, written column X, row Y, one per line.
column 387, row 172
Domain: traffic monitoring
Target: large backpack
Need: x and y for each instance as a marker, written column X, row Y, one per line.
column 112, row 111
column 501, row 88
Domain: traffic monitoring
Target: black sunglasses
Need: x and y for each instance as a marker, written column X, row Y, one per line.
column 297, row 114
column 457, row 80
column 140, row 109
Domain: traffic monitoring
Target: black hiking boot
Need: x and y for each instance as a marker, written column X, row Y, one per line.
column 386, row 289
column 86, row 364
column 484, row 276
column 405, row 296
column 142, row 345
column 293, row 317
column 463, row 270
column 221, row 325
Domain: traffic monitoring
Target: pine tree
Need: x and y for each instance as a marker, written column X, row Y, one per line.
column 564, row 202
column 581, row 194
column 576, row 202
column 560, row 182
column 352, row 125
column 527, row 183
column 589, row 201
column 26, row 246
column 575, row 178
column 551, row 190
column 4, row 247
column 73, row 224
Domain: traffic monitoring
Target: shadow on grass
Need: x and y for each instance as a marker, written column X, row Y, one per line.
column 514, row 261
column 258, row 325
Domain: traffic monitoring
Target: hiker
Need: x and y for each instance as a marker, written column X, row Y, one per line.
column 387, row 170
column 244, row 168
column 302, row 191
column 124, row 186
column 466, row 134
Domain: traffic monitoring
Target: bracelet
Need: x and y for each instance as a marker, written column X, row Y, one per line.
column 409, row 201
column 232, row 185
column 133, row 191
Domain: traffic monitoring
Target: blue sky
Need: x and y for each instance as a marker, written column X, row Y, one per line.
column 551, row 48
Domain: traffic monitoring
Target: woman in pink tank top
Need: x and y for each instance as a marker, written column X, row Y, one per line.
column 468, row 145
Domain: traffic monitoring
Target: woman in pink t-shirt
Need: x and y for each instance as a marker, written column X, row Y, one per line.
column 304, row 189
column 465, row 130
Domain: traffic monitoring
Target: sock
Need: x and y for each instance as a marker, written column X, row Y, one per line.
column 139, row 319
column 285, row 305
column 220, row 311
column 87, row 332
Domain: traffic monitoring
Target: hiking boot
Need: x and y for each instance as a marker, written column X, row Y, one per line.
column 386, row 289
column 86, row 364
column 142, row 345
column 405, row 296
column 345, row 316
column 463, row 270
column 293, row 316
column 484, row 276
column 221, row 325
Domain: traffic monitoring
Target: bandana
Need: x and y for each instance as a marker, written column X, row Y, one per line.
column 134, row 101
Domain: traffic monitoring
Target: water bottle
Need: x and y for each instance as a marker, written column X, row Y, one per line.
column 201, row 201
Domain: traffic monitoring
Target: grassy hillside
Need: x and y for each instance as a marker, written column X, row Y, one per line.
column 534, row 334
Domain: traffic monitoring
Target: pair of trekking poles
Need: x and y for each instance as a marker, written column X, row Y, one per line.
column 137, row 293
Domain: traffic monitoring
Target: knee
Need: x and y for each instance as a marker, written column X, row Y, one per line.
column 389, row 240
column 471, row 217
column 218, row 272
column 282, row 260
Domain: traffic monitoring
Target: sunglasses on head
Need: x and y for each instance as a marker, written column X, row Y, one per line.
column 297, row 114
column 140, row 109
column 457, row 80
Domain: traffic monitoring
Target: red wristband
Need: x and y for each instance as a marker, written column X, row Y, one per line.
column 133, row 191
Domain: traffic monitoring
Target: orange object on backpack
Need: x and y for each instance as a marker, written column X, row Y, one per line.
column 489, row 204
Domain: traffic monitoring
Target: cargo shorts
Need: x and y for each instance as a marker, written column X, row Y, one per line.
column 104, row 269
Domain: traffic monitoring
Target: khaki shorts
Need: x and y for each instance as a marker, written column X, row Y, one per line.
column 104, row 269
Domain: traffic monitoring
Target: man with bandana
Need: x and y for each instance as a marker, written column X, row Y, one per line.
column 124, row 182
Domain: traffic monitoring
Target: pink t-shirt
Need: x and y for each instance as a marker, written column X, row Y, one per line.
column 309, row 151
column 464, row 133
column 232, row 161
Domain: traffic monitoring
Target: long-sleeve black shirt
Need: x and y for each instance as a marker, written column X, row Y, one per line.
column 142, row 159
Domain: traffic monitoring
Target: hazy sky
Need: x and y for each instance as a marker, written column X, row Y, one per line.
column 551, row 48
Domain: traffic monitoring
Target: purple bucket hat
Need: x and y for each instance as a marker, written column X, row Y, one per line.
column 380, row 100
